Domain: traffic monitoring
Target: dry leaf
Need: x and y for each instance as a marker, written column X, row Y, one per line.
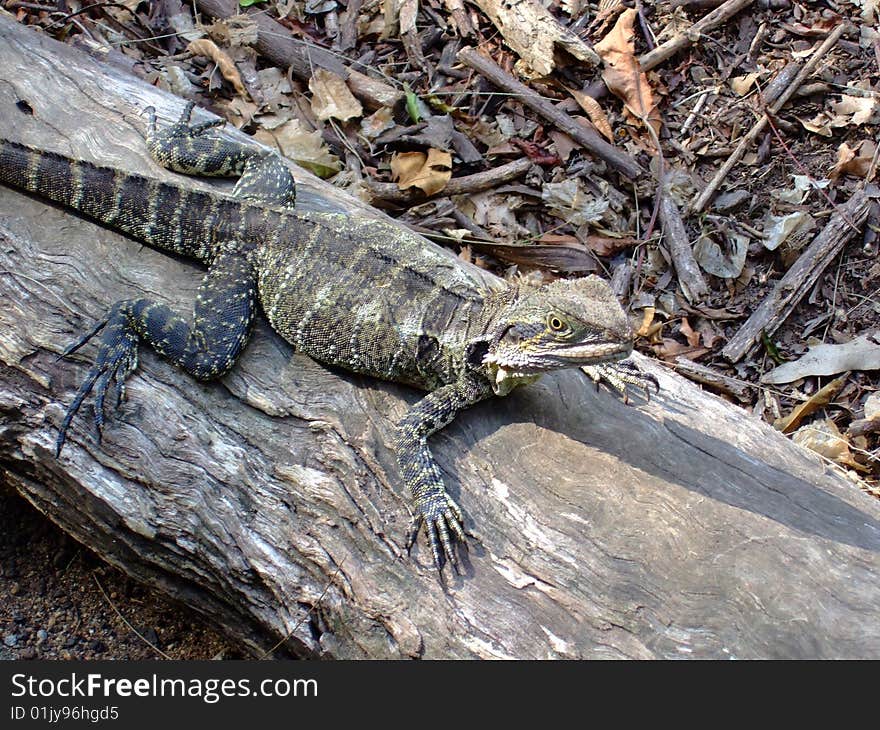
column 239, row 112
column 563, row 143
column 622, row 74
column 496, row 213
column 870, row 10
column 378, row 122
column 569, row 201
column 429, row 173
column 862, row 353
column 728, row 264
column 741, row 85
column 669, row 349
column 777, row 228
column 825, row 439
column 803, row 184
column 872, row 407
column 818, row 125
column 306, row 148
column 819, row 399
column 692, row 337
column 647, row 319
column 594, row 112
column 851, row 163
column 609, row 245
column 331, row 97
column 853, row 110
column 209, row 49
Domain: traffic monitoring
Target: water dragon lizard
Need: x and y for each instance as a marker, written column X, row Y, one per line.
column 349, row 291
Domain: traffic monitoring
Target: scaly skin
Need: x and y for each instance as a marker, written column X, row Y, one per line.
column 357, row 293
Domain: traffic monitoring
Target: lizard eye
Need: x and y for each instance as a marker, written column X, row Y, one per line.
column 555, row 323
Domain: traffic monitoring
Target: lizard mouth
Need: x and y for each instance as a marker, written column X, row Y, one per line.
column 589, row 353
column 521, row 363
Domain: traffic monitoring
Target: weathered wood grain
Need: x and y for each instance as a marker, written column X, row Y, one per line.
column 270, row 500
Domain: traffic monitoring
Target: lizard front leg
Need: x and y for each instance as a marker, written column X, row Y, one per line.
column 433, row 506
column 206, row 347
column 617, row 376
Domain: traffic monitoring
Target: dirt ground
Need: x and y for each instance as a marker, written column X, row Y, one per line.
column 59, row 601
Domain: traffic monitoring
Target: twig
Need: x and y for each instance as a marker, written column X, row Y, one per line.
column 718, row 16
column 715, row 380
column 125, row 621
column 698, row 107
column 674, row 233
column 456, row 186
column 789, row 290
column 591, row 140
column 780, row 101
column 348, row 27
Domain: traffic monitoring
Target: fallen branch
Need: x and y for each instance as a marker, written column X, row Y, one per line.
column 272, row 503
column 275, row 43
column 674, row 233
column 789, row 290
column 592, row 141
column 780, row 101
column 475, row 183
column 682, row 40
column 712, row 379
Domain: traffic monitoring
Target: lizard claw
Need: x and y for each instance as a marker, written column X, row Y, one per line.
column 442, row 518
column 116, row 359
column 617, row 376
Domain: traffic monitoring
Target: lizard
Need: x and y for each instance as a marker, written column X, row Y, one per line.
column 355, row 292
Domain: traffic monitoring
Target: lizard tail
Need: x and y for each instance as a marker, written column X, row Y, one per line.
column 161, row 214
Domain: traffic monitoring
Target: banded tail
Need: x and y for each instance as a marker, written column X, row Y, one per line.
column 160, row 214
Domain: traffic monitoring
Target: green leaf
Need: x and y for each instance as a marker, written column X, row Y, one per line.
column 771, row 348
column 412, row 104
column 248, row 3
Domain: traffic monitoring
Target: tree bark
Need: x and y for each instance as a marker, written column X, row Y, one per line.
column 270, row 500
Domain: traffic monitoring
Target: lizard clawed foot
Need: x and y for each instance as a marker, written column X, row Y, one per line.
column 442, row 518
column 618, row 376
column 117, row 358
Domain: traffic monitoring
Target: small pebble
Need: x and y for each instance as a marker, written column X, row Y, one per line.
column 42, row 634
column 10, row 640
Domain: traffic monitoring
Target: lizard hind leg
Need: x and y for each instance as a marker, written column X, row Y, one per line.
column 186, row 148
column 205, row 345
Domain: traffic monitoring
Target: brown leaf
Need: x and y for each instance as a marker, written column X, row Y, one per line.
column 594, row 112
column 850, row 163
column 819, row 399
column 647, row 319
column 209, row 49
column 429, row 173
column 690, row 335
column 670, row 349
column 623, row 75
column 332, row 98
column 825, row 439
column 608, row 245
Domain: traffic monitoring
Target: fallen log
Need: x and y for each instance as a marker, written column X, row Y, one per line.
column 270, row 500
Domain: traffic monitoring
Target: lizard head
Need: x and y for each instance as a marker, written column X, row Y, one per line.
column 568, row 323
